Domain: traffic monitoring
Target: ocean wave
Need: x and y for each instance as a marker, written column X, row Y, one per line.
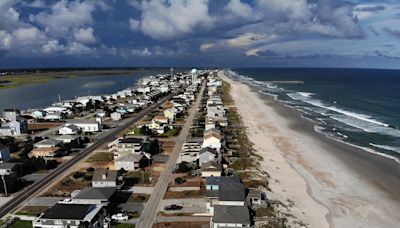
column 370, row 128
column 386, row 147
column 320, row 104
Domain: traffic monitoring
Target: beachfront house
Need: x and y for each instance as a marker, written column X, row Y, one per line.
column 230, row 216
column 212, row 139
column 208, row 154
column 71, row 215
column 211, row 169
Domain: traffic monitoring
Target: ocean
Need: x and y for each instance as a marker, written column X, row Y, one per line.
column 355, row 106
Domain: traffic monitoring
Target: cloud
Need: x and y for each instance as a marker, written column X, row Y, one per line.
column 141, row 52
column 35, row 4
column 52, row 46
column 244, row 40
column 239, row 8
column 76, row 48
column 65, row 16
column 173, row 19
column 85, row 35
column 134, row 25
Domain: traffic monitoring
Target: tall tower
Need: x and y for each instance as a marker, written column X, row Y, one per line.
column 172, row 71
column 194, row 77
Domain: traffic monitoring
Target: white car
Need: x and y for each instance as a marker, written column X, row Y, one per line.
column 66, row 201
column 119, row 217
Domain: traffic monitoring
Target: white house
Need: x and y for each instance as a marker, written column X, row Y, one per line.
column 71, row 129
column 212, row 139
column 211, row 169
column 104, row 178
column 86, row 125
column 171, row 113
column 116, row 116
column 208, row 154
column 130, row 162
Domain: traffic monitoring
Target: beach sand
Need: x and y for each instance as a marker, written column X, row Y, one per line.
column 328, row 183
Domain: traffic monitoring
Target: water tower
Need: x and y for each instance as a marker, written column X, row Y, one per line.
column 194, row 76
column 172, row 71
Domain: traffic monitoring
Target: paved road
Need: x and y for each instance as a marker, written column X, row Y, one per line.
column 35, row 188
column 150, row 211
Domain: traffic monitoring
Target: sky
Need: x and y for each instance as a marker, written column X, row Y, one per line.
column 203, row 33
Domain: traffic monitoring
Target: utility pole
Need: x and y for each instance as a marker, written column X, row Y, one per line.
column 5, row 185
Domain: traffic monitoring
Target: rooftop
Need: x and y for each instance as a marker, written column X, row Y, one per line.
column 68, row 211
column 231, row 214
column 95, row 193
column 104, row 175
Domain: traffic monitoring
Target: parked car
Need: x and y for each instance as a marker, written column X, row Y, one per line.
column 173, row 207
column 119, row 217
column 66, row 201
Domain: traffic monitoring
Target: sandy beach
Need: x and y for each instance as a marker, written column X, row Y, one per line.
column 328, row 183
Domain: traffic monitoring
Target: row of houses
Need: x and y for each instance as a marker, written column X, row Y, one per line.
column 86, row 207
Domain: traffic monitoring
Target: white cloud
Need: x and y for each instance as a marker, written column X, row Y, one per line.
column 5, row 40
column 85, row 35
column 141, row 52
column 35, row 4
column 239, row 8
column 172, row 19
column 134, row 25
column 52, row 46
column 65, row 16
column 76, row 48
column 206, row 46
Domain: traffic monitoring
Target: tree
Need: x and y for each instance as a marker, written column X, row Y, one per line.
column 184, row 167
column 154, row 147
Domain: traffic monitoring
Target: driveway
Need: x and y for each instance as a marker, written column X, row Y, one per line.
column 189, row 205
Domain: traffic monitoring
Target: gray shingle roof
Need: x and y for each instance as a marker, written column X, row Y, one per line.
column 95, row 193
column 231, row 214
column 130, row 157
column 230, row 191
column 110, row 175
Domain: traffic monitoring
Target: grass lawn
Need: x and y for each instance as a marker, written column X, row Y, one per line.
column 172, row 132
column 125, row 225
column 137, row 177
column 100, row 157
column 21, row 224
column 31, row 210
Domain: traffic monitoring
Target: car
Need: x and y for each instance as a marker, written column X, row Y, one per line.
column 173, row 207
column 119, row 217
column 66, row 201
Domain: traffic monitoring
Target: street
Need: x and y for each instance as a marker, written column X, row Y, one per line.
column 150, row 211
